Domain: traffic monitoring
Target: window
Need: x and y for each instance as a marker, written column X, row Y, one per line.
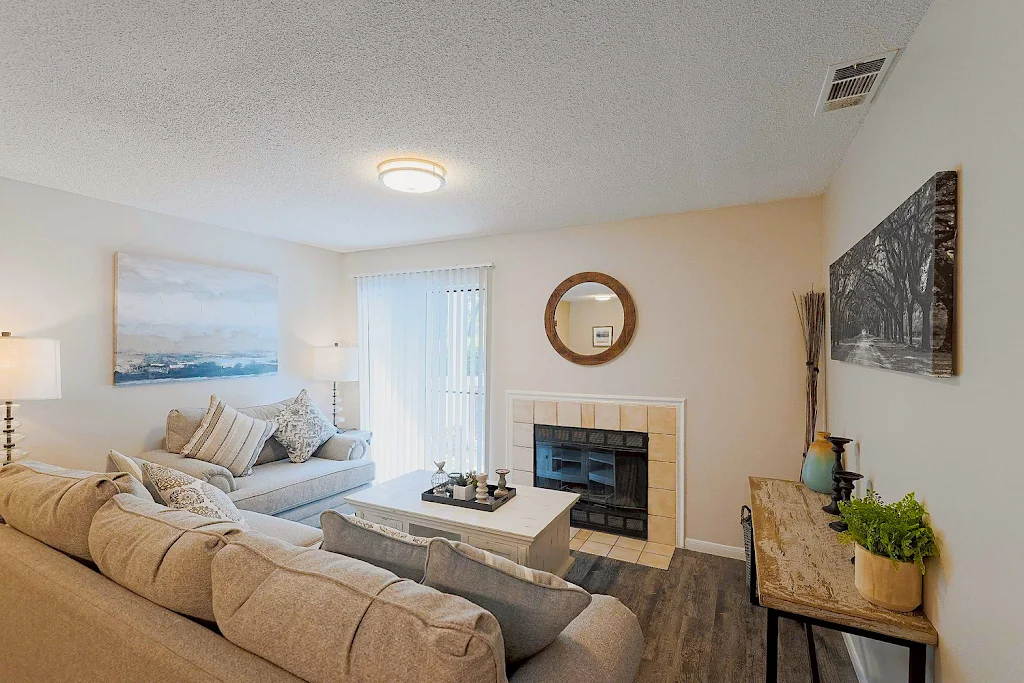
column 423, row 365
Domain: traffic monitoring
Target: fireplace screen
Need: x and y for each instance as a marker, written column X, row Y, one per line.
column 608, row 469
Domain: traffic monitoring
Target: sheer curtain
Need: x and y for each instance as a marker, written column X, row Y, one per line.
column 423, row 368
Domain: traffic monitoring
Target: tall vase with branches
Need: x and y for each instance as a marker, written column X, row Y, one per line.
column 810, row 309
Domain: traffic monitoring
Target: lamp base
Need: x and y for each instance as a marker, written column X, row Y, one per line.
column 11, row 437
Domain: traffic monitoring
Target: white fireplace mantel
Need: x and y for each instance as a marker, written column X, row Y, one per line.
column 572, row 410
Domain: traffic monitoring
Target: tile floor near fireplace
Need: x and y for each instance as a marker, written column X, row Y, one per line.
column 632, row 550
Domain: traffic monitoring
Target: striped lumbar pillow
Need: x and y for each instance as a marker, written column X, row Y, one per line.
column 227, row 437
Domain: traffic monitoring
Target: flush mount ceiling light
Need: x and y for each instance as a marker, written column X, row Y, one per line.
column 411, row 175
column 602, row 297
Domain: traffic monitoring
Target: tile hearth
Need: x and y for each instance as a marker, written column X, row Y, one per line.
column 632, row 550
column 660, row 419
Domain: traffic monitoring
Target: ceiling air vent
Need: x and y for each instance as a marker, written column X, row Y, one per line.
column 853, row 83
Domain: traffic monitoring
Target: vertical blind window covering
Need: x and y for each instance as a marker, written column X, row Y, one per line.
column 423, row 368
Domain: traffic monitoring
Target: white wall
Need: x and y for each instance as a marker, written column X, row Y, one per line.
column 953, row 101
column 716, row 326
column 58, row 269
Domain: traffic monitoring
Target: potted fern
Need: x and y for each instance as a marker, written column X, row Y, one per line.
column 892, row 543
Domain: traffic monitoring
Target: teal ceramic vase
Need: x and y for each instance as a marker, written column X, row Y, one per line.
column 818, row 464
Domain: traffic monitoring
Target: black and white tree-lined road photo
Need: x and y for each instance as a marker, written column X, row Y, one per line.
column 893, row 293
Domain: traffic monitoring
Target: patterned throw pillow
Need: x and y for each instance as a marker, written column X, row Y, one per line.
column 302, row 428
column 531, row 606
column 183, row 492
column 227, row 437
column 400, row 553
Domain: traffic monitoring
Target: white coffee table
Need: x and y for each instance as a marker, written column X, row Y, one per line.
column 531, row 529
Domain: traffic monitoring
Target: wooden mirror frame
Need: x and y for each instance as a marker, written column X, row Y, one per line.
column 628, row 319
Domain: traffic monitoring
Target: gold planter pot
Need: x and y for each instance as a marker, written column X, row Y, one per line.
column 880, row 583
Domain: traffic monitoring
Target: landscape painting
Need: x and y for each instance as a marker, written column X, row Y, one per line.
column 893, row 293
column 176, row 321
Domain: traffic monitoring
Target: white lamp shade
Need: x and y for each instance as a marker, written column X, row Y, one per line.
column 336, row 364
column 29, row 368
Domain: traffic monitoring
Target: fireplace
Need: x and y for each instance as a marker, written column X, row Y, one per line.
column 608, row 469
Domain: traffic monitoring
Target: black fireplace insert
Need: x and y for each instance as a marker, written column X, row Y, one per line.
column 608, row 469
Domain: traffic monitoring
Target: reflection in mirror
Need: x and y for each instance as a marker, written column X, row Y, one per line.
column 589, row 318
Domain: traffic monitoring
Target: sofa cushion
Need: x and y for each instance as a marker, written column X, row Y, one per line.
column 229, row 438
column 66, row 622
column 302, row 535
column 532, row 606
column 302, row 428
column 55, row 505
column 183, row 492
column 394, row 550
column 280, row 486
column 182, row 423
column 160, row 553
column 327, row 617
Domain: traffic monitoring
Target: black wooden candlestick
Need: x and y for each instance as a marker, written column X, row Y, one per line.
column 846, row 485
column 838, row 446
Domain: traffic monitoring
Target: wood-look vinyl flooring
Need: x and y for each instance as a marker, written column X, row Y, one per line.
column 699, row 626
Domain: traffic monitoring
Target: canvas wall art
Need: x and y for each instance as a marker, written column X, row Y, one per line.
column 893, row 294
column 176, row 321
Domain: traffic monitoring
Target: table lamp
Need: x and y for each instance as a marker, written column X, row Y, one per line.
column 336, row 364
column 29, row 371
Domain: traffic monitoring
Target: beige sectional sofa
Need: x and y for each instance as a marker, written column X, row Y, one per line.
column 277, row 486
column 285, row 610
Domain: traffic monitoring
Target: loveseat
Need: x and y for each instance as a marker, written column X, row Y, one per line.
column 332, row 617
column 277, row 486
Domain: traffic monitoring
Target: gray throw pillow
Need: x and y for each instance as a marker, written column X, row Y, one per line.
column 302, row 428
column 381, row 546
column 531, row 606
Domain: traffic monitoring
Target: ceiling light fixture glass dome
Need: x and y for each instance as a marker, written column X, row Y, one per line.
column 411, row 175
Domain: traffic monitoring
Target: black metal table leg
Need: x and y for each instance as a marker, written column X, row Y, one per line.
column 771, row 658
column 918, row 656
column 812, row 653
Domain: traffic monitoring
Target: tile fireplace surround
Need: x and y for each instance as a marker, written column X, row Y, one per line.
column 662, row 419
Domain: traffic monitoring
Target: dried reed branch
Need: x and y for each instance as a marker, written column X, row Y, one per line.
column 810, row 309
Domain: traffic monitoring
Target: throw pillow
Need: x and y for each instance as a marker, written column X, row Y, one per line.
column 183, row 492
column 133, row 466
column 228, row 438
column 531, row 606
column 302, row 428
column 388, row 548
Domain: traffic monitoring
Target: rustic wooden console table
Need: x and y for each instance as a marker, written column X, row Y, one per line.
column 804, row 574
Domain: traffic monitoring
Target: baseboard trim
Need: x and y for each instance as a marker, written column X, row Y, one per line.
column 710, row 548
column 858, row 663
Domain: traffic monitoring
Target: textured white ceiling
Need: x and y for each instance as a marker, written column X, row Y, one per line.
column 271, row 116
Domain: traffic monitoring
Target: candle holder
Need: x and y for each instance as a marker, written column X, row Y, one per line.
column 838, row 447
column 842, row 490
column 482, row 492
column 501, row 491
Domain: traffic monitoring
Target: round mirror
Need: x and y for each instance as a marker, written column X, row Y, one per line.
column 590, row 318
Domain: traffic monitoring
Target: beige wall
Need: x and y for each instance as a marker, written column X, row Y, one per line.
column 584, row 316
column 58, row 267
column 716, row 326
column 953, row 101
